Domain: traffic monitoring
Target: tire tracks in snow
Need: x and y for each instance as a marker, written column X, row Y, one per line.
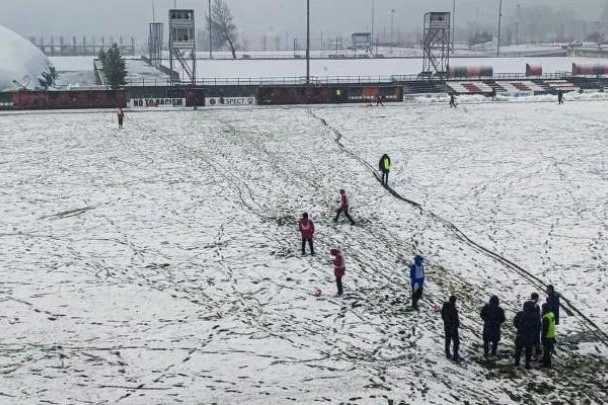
column 566, row 304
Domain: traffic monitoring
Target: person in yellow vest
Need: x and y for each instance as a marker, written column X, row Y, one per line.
column 385, row 166
column 548, row 336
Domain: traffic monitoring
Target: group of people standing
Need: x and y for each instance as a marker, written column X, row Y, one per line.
column 307, row 230
column 535, row 328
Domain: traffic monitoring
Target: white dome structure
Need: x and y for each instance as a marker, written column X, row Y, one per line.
column 20, row 61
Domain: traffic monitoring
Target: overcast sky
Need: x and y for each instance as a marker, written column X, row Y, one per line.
column 254, row 17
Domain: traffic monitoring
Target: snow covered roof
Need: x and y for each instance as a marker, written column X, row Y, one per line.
column 20, row 61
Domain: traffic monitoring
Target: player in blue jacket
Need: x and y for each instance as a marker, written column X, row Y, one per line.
column 417, row 279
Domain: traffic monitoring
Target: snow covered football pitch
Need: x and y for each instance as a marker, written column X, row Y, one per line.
column 160, row 264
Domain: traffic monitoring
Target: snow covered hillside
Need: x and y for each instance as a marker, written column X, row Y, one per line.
column 160, row 263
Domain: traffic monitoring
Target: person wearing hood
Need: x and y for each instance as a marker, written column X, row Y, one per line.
column 526, row 324
column 385, row 167
column 417, row 279
column 307, row 230
column 339, row 268
column 451, row 323
column 493, row 317
column 553, row 302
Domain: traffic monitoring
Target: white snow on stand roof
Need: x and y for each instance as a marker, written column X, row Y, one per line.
column 20, row 61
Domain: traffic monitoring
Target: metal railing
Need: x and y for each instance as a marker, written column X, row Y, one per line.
column 333, row 80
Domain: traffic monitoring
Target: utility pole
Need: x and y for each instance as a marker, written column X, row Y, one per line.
column 307, row 41
column 373, row 12
column 392, row 15
column 210, row 34
column 453, row 25
column 517, row 25
column 153, row 12
column 499, row 22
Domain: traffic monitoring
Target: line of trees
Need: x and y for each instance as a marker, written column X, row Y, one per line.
column 114, row 67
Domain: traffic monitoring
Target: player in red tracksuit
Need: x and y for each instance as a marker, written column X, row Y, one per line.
column 307, row 230
column 121, row 116
column 343, row 208
column 339, row 268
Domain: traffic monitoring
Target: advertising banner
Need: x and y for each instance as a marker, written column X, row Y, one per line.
column 156, row 102
column 229, row 101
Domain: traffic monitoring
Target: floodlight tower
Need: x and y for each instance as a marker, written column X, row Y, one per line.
column 182, row 41
column 436, row 43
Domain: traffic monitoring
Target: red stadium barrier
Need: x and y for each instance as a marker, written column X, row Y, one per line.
column 470, row 71
column 589, row 70
column 278, row 95
column 70, row 99
column 534, row 70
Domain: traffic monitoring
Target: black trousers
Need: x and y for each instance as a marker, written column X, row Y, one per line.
column 339, row 285
column 452, row 104
column 548, row 349
column 519, row 348
column 486, row 346
column 345, row 211
column 120, row 120
column 416, row 295
column 384, row 177
column 309, row 240
column 451, row 335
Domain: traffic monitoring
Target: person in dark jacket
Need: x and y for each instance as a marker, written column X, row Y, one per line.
column 548, row 335
column 534, row 301
column 451, row 323
column 307, row 230
column 493, row 317
column 553, row 302
column 379, row 100
column 417, row 279
column 121, row 117
column 385, row 167
column 560, row 96
column 527, row 324
column 453, row 100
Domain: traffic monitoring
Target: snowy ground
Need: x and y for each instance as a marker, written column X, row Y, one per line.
column 159, row 264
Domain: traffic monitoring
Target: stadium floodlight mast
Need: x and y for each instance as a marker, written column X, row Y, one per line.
column 373, row 12
column 453, row 26
column 307, row 41
column 499, row 22
column 392, row 15
column 210, row 41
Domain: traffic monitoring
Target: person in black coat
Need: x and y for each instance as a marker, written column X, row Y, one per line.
column 493, row 317
column 534, row 301
column 527, row 325
column 553, row 302
column 451, row 323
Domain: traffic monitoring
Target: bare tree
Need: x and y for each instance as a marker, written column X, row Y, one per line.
column 222, row 26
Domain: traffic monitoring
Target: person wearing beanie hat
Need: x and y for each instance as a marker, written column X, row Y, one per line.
column 307, row 230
